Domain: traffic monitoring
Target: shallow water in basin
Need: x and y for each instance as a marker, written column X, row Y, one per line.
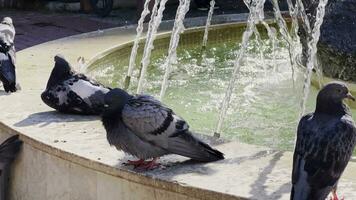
column 265, row 105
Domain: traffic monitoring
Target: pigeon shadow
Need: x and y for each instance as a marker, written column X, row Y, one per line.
column 170, row 166
column 259, row 189
column 3, row 93
column 241, row 159
column 174, row 165
column 49, row 117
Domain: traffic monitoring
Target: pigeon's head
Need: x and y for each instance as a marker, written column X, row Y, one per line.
column 5, row 43
column 7, row 20
column 335, row 92
column 61, row 71
column 115, row 100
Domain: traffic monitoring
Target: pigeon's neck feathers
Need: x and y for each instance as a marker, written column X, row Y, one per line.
column 331, row 107
column 115, row 110
column 60, row 72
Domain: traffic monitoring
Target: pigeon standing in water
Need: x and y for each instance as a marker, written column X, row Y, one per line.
column 8, row 151
column 71, row 92
column 324, row 146
column 7, row 55
column 142, row 126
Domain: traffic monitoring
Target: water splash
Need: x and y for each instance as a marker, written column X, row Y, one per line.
column 135, row 46
column 292, row 43
column 151, row 36
column 178, row 28
column 254, row 7
column 312, row 49
column 208, row 23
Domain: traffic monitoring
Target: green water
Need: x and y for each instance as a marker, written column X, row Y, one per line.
column 265, row 105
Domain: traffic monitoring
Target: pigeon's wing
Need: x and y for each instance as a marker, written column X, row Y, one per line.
column 9, row 149
column 159, row 125
column 321, row 155
column 148, row 117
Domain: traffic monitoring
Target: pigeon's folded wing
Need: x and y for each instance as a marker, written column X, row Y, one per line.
column 151, row 120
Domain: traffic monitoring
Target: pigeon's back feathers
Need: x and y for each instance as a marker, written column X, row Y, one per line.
column 70, row 92
column 145, row 115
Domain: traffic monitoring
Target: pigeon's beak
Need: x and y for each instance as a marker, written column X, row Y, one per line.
column 349, row 96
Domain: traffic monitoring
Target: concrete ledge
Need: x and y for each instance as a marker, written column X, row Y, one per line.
column 67, row 156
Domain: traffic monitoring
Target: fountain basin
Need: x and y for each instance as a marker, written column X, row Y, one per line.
column 68, row 157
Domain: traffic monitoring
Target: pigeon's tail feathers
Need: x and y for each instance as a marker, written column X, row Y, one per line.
column 308, row 193
column 299, row 193
column 187, row 145
column 9, row 148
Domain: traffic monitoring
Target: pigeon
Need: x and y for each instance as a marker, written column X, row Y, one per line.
column 8, row 152
column 142, row 126
column 324, row 145
column 8, row 56
column 71, row 92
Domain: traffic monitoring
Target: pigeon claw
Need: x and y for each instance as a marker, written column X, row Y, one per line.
column 150, row 165
column 136, row 163
column 335, row 197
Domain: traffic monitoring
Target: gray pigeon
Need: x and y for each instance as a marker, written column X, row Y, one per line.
column 324, row 146
column 8, row 56
column 8, row 152
column 71, row 92
column 142, row 126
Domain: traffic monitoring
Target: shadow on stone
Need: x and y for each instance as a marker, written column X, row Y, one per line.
column 258, row 155
column 3, row 93
column 48, row 117
column 256, row 191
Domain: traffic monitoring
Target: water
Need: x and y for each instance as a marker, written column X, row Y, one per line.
column 156, row 20
column 312, row 49
column 254, row 8
column 208, row 23
column 178, row 28
column 293, row 45
column 135, row 46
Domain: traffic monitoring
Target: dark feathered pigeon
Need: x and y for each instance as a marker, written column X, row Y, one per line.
column 324, row 146
column 7, row 55
column 71, row 92
column 8, row 152
column 142, row 126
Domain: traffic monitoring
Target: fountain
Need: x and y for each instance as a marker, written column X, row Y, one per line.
column 179, row 75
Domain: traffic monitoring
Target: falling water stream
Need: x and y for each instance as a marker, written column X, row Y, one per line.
column 135, row 46
column 178, row 28
column 208, row 23
column 251, row 22
column 151, row 36
column 312, row 49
